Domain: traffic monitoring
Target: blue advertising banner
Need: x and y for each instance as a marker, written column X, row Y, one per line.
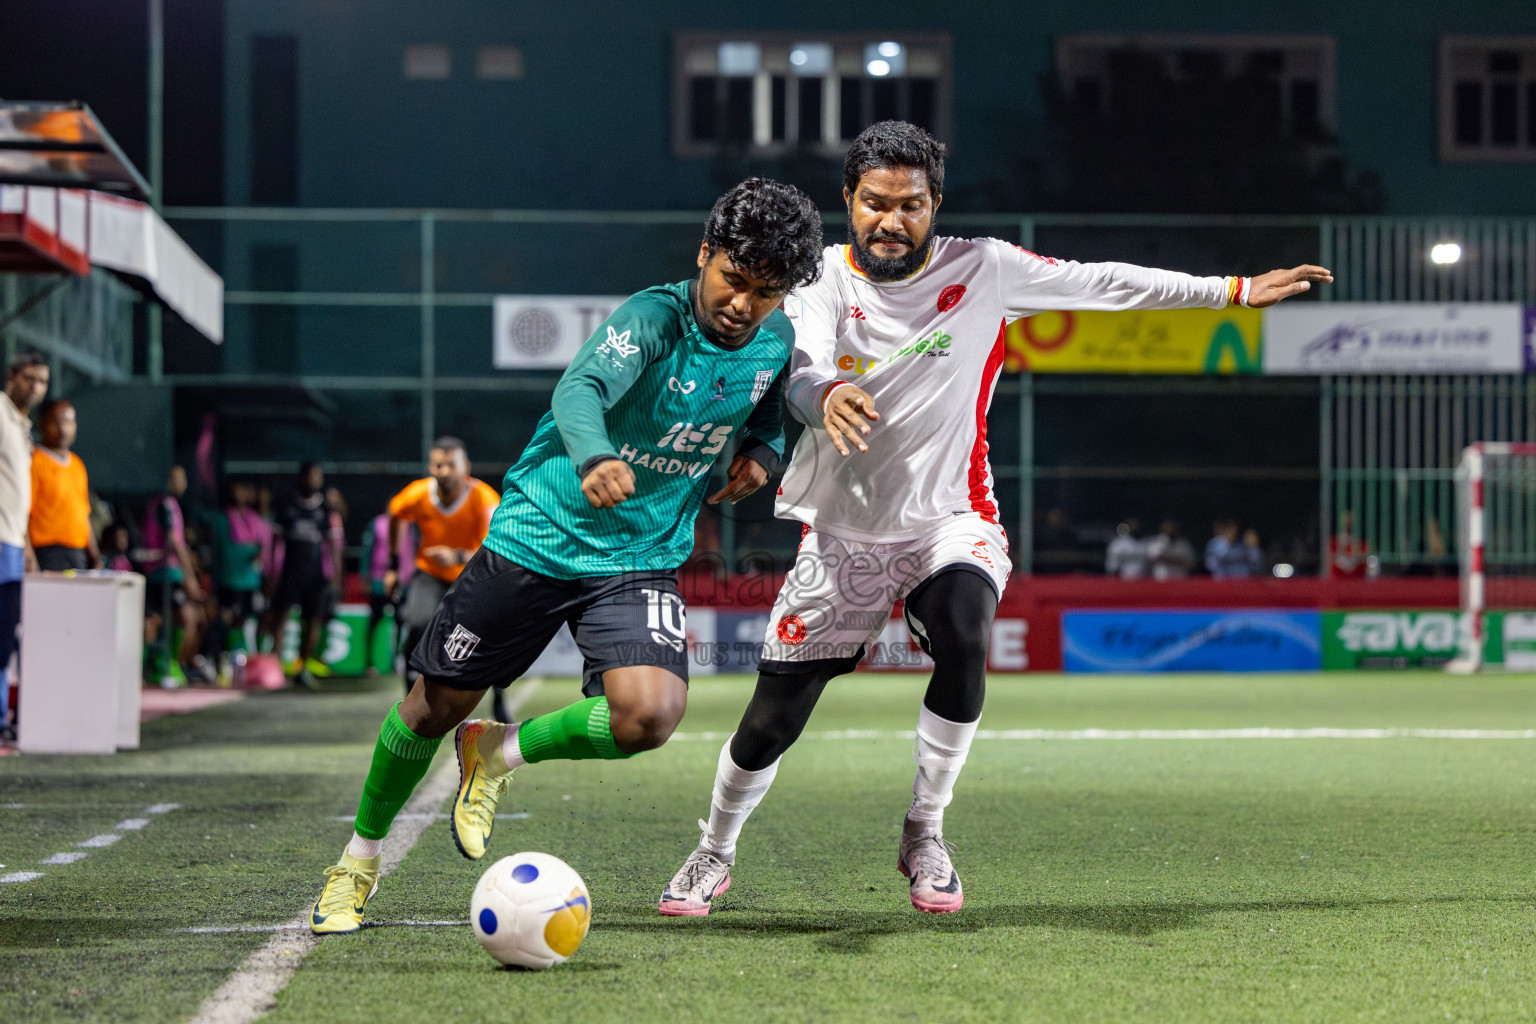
column 1229, row 640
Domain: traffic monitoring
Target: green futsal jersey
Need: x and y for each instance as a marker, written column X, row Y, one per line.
column 649, row 388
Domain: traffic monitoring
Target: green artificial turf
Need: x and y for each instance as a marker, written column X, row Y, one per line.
column 1106, row 880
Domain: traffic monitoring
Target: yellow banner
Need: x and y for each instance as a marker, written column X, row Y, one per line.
column 1192, row 341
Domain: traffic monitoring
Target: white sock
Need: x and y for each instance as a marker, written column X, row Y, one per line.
column 510, row 751
column 737, row 793
column 939, row 752
column 364, row 848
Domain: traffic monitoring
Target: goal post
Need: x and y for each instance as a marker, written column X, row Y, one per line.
column 1496, row 508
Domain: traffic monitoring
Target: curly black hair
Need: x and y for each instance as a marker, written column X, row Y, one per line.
column 895, row 144
column 767, row 225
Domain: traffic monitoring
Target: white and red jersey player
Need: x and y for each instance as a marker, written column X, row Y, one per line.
column 928, row 350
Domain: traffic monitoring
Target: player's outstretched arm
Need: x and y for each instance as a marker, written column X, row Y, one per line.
column 608, row 483
column 1268, row 289
column 745, row 476
column 846, row 417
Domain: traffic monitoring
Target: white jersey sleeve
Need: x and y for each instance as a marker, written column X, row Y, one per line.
column 812, row 367
column 1030, row 284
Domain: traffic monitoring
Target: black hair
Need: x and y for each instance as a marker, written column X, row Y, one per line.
column 50, row 405
column 21, row 360
column 768, row 227
column 306, row 466
column 895, row 144
column 449, row 443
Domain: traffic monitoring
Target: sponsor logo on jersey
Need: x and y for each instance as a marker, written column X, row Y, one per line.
column 761, row 384
column 616, row 346
column 791, row 630
column 461, row 643
column 719, row 394
column 931, row 345
column 683, row 438
column 673, row 384
column 950, row 297
column 855, row 313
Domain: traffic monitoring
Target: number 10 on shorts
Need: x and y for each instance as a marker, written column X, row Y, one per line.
column 664, row 612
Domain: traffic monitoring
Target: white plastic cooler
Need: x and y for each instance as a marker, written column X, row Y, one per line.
column 82, row 648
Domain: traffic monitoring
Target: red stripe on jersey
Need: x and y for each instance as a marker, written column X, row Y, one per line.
column 981, row 493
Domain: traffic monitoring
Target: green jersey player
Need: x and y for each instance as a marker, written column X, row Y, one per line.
column 594, row 520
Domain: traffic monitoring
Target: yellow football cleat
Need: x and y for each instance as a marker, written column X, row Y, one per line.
column 318, row 668
column 474, row 809
column 349, row 884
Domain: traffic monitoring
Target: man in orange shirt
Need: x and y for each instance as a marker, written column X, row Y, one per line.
column 60, row 522
column 452, row 511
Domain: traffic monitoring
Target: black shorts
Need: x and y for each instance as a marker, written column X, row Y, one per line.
column 239, row 605
column 498, row 617
column 313, row 594
column 58, row 558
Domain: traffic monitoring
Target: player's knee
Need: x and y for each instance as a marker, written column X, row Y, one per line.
column 638, row 729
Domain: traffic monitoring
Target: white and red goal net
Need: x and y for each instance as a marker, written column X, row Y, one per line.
column 1496, row 499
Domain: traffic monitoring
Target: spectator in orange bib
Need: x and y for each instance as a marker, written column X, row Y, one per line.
column 60, row 523
column 452, row 511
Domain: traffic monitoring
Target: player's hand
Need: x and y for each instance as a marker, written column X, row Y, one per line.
column 745, row 476
column 190, row 585
column 846, row 417
column 608, row 483
column 441, row 554
column 1268, row 289
column 391, row 581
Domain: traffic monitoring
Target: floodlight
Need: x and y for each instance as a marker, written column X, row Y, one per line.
column 1445, row 253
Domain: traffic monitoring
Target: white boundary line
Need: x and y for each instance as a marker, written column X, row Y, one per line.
column 94, row 843
column 252, row 990
column 1258, row 733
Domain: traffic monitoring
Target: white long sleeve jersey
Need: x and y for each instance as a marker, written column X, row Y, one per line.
column 928, row 350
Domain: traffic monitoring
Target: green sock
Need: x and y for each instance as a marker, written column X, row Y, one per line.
column 400, row 761
column 576, row 733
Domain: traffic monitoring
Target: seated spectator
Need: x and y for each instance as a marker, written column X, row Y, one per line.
column 1224, row 554
column 116, row 545
column 60, row 521
column 1126, row 556
column 1253, row 553
column 1348, row 555
column 1172, row 557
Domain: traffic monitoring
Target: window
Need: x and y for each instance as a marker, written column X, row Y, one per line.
column 772, row 93
column 427, row 62
column 1291, row 76
column 499, row 63
column 1488, row 98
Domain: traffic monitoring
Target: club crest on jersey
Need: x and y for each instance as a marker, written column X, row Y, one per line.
column 791, row 630
column 761, row 384
column 461, row 643
column 617, row 345
column 950, row 297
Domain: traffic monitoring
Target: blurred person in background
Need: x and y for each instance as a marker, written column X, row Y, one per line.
column 26, row 383
column 60, row 521
column 452, row 510
column 1254, row 560
column 1127, row 555
column 310, row 551
column 375, row 566
column 1171, row 555
column 1222, row 559
column 174, row 592
column 1348, row 555
column 242, row 543
column 116, row 548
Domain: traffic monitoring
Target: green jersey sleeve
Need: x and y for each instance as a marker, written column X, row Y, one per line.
column 763, row 433
column 608, row 363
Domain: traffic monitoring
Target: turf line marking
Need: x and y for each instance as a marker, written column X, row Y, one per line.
column 252, row 990
column 514, row 816
column 97, row 842
column 65, row 858
column 131, row 824
column 294, row 926
column 20, row 876
column 161, row 808
column 1260, row 733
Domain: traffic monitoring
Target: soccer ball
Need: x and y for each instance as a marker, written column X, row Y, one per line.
column 530, row 909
